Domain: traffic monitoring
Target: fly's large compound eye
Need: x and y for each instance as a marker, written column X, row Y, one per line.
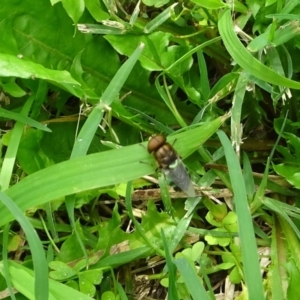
column 156, row 142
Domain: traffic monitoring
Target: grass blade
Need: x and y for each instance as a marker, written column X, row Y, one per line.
column 191, row 279
column 38, row 256
column 89, row 128
column 248, row 244
column 245, row 59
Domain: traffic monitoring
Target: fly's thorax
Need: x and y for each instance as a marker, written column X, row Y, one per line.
column 165, row 156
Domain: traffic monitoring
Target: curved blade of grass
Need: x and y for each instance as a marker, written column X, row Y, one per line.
column 191, row 279
column 260, row 194
column 37, row 251
column 244, row 58
column 191, row 52
column 98, row 170
column 248, row 244
column 23, row 119
column 274, row 206
column 5, row 261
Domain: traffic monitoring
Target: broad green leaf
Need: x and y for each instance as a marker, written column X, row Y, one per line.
column 108, row 295
column 96, row 10
column 290, row 172
column 74, row 8
column 157, row 55
column 18, row 67
column 94, row 276
column 86, row 286
column 210, row 4
column 61, row 270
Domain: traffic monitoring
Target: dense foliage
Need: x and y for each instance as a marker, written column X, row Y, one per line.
column 83, row 84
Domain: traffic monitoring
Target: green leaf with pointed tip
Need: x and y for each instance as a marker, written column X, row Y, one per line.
column 11, row 65
column 74, row 8
column 96, row 10
column 26, row 120
column 10, row 87
column 158, row 53
column 290, row 172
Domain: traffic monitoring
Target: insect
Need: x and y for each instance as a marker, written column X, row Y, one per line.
column 169, row 161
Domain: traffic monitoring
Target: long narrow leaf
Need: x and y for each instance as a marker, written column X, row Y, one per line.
column 172, row 293
column 38, row 255
column 89, row 128
column 23, row 119
column 191, row 279
column 248, row 244
column 12, row 149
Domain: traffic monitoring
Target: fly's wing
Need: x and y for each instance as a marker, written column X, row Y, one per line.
column 179, row 175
